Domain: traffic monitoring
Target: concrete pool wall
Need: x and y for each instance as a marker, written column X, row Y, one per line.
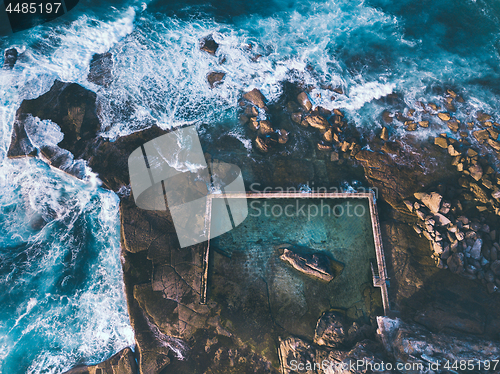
column 379, row 273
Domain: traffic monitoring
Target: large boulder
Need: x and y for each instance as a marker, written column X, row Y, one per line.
column 61, row 126
column 69, row 105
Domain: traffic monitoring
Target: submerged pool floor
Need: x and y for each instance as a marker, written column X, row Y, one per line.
column 264, row 296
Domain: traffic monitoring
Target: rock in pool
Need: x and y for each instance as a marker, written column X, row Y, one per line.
column 316, row 265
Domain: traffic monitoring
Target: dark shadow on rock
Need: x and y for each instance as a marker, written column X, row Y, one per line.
column 438, row 299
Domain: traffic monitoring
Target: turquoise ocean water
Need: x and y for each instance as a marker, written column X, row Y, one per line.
column 61, row 297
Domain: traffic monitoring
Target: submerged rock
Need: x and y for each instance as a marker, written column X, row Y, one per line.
column 316, row 265
column 101, row 68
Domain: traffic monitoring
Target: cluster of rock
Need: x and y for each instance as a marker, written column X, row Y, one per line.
column 406, row 348
column 209, row 45
column 336, row 347
column 467, row 247
column 412, row 120
column 329, row 125
column 255, row 115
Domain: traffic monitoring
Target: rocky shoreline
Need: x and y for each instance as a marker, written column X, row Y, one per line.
column 439, row 203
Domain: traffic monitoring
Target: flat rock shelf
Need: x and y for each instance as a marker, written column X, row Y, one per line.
column 243, row 268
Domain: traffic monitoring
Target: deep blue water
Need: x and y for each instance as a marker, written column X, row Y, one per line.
column 61, row 298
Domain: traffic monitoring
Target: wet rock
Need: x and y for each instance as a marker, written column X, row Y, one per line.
column 433, row 106
column 304, row 101
column 101, row 67
column 261, row 144
column 324, row 147
column 214, row 78
column 471, row 153
column 121, row 363
column 265, row 128
column 453, row 125
column 283, row 136
column 493, row 133
column 482, row 117
column 423, row 124
column 441, row 142
column 384, row 135
column 334, row 156
column 331, row 330
column 10, row 58
column 70, row 106
column 494, row 144
column 481, row 135
column 208, row 44
column 444, row 116
column 317, row 122
column 253, row 124
column 387, row 117
column 411, row 126
column 328, row 136
column 256, row 98
column 251, row 111
column 451, row 93
column 297, row 117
